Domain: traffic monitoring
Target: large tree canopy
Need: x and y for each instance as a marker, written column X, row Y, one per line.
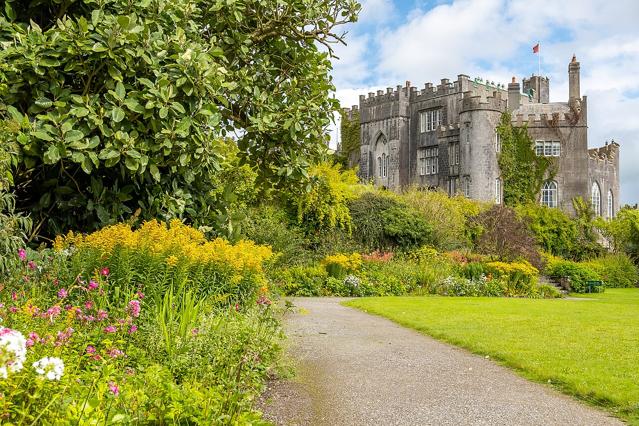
column 121, row 105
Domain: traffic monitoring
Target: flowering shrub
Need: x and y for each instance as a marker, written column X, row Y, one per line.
column 378, row 256
column 157, row 254
column 338, row 265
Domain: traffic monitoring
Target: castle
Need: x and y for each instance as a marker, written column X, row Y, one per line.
column 445, row 137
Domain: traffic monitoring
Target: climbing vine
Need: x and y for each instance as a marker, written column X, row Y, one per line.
column 522, row 171
column 350, row 139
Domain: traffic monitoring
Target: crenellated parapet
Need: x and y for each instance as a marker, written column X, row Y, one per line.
column 606, row 153
column 495, row 102
column 448, row 131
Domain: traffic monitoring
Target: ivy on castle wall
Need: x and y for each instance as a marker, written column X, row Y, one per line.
column 522, row 171
column 350, row 138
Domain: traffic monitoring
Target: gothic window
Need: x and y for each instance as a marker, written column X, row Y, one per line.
column 453, row 183
column 595, row 198
column 498, row 191
column 467, row 186
column 549, row 194
column 497, row 142
column 611, row 205
column 429, row 120
column 422, row 162
column 386, row 164
column 548, row 148
column 379, row 164
column 428, row 161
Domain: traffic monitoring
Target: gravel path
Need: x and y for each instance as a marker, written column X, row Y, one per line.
column 358, row 369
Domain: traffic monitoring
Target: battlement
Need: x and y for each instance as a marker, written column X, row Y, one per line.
column 608, row 152
column 382, row 97
column 350, row 112
column 556, row 120
column 496, row 102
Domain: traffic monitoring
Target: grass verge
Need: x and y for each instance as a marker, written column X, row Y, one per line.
column 586, row 346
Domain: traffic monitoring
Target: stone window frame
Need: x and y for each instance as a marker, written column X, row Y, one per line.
column 427, row 123
column 550, row 194
column 498, row 185
column 550, row 148
column 595, row 198
column 428, row 160
column 466, row 186
column 453, row 153
column 497, row 142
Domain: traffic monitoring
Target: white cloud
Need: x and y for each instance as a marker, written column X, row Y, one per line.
column 493, row 39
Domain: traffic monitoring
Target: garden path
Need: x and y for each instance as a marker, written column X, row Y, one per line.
column 358, row 369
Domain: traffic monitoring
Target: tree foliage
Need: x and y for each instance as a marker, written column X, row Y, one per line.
column 120, row 105
column 622, row 232
column 555, row 231
column 522, row 171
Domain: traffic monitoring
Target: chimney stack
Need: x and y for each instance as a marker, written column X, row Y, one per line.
column 573, row 80
column 514, row 95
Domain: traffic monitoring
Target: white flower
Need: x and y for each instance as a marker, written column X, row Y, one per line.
column 351, row 280
column 13, row 351
column 51, row 367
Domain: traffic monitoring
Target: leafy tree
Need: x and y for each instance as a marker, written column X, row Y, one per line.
column 522, row 170
column 120, row 105
column 587, row 244
column 622, row 232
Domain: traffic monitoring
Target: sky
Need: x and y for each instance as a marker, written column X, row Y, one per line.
column 426, row 40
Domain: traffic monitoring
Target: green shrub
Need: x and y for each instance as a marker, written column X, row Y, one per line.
column 616, row 270
column 578, row 273
column 547, row 291
column 300, row 280
column 554, row 230
column 381, row 222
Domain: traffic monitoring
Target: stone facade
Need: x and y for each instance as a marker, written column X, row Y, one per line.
column 445, row 137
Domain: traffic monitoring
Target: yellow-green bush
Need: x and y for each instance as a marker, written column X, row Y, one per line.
column 339, row 264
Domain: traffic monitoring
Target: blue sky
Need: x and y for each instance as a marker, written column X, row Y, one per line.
column 427, row 40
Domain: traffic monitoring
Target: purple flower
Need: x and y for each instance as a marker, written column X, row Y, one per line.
column 62, row 293
column 29, row 343
column 22, row 254
column 110, row 329
column 93, row 285
column 102, row 315
column 32, row 265
column 140, row 295
column 133, row 329
column 90, row 349
column 115, row 353
column 88, row 304
column 104, row 272
column 134, row 308
column 113, row 387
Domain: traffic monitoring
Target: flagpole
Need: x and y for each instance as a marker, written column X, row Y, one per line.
column 539, row 59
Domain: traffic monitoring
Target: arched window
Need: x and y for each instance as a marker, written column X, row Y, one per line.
column 549, row 194
column 386, row 165
column 595, row 198
column 498, row 191
column 379, row 163
column 611, row 204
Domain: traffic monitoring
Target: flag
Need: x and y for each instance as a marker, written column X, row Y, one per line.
column 536, row 48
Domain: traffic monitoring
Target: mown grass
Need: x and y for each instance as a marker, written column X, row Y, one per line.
column 587, row 347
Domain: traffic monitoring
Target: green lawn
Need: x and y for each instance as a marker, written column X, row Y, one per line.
column 588, row 348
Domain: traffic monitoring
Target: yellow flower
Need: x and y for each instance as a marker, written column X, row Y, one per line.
column 171, row 260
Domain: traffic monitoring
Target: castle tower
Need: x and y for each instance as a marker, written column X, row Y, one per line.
column 514, row 95
column 539, row 87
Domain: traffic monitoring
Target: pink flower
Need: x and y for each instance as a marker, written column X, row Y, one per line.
column 32, row 265
column 22, row 254
column 90, row 349
column 195, row 331
column 104, row 272
column 140, row 295
column 134, row 308
column 133, row 329
column 93, row 285
column 63, row 337
column 62, row 293
column 110, row 329
column 102, row 315
column 88, row 304
column 34, row 336
column 115, row 390
column 13, row 309
column 14, row 296
column 115, row 353
column 52, row 312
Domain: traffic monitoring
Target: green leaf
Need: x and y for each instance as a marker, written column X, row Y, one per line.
column 52, row 155
column 117, row 114
column 95, row 17
column 44, row 102
column 73, row 135
column 9, row 12
column 99, row 47
column 109, row 154
column 164, row 111
column 77, row 157
column 87, row 166
column 153, row 169
column 134, row 105
column 114, row 73
column 79, row 112
column 131, row 164
column 42, row 135
column 119, row 90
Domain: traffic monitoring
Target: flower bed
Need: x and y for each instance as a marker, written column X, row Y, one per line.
column 156, row 325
